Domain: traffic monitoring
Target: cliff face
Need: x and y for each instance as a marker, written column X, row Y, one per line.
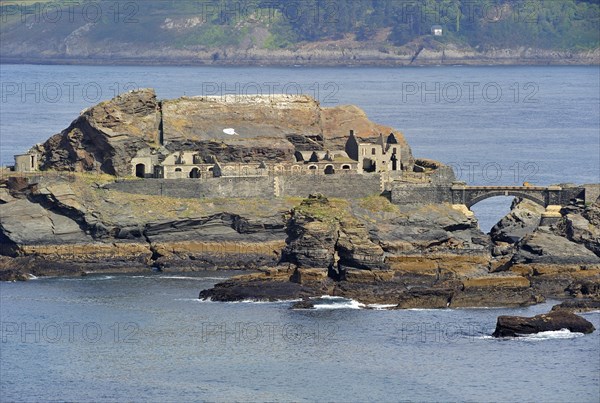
column 368, row 249
column 430, row 256
column 269, row 128
column 105, row 137
column 561, row 260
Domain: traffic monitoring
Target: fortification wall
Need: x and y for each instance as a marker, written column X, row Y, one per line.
column 422, row 194
column 347, row 186
column 343, row 186
column 261, row 187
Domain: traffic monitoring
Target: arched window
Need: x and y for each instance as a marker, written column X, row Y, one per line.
column 195, row 173
column 346, row 167
column 177, row 169
column 329, row 170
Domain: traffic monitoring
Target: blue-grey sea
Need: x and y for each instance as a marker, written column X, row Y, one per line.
column 146, row 337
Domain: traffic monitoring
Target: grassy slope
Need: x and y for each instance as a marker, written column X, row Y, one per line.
column 190, row 25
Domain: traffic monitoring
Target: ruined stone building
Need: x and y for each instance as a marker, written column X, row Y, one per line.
column 382, row 154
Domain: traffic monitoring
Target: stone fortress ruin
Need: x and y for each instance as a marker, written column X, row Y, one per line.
column 359, row 156
column 137, row 135
column 258, row 146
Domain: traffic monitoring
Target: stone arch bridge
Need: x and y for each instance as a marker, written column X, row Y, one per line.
column 553, row 198
column 544, row 196
column 460, row 193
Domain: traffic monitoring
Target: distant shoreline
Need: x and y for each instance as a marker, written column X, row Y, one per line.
column 187, row 62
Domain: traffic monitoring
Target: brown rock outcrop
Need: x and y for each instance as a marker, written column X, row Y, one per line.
column 322, row 234
column 105, row 138
column 514, row 326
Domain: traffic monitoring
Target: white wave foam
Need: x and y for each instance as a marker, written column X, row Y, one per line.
column 250, row 301
column 550, row 335
column 379, row 307
column 93, row 278
column 258, row 301
column 188, row 278
column 190, row 299
column 336, row 303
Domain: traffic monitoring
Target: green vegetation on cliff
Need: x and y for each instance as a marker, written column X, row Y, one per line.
column 68, row 28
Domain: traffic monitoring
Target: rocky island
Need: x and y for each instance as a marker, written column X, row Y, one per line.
column 319, row 201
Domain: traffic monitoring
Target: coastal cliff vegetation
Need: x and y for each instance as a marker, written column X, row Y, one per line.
column 306, row 31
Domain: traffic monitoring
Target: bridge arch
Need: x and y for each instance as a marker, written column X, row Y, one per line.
column 470, row 201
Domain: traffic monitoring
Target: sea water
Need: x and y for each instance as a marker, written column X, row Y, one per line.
column 148, row 338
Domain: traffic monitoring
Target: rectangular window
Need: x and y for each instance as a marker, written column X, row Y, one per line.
column 394, row 150
column 373, row 151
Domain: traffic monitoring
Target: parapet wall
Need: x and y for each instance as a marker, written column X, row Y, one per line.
column 343, row 186
column 347, row 186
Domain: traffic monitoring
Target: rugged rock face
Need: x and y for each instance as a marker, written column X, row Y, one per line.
column 434, row 256
column 514, row 326
column 578, row 305
column 74, row 222
column 561, row 260
column 582, row 226
column 367, row 249
column 523, row 218
column 545, row 247
column 376, row 252
column 270, row 128
column 323, row 233
column 105, row 137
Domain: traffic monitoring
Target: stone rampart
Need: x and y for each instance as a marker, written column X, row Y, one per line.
column 347, row 186
column 421, row 194
column 198, row 188
column 343, row 186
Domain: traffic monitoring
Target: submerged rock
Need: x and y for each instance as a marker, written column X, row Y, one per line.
column 304, row 304
column 514, row 326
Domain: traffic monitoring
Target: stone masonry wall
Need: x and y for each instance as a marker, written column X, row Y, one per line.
column 592, row 193
column 422, row 194
column 196, row 188
column 344, row 186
